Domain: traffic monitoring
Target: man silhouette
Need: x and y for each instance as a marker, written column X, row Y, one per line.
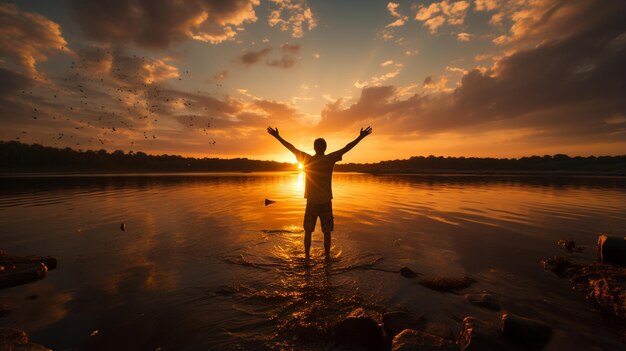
column 318, row 186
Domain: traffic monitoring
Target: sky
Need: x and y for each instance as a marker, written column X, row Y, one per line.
column 205, row 78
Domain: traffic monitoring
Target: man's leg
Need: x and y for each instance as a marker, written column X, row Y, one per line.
column 307, row 244
column 327, row 243
column 328, row 224
column 310, row 217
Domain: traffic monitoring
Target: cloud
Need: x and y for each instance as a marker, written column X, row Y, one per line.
column 434, row 23
column 290, row 48
column 438, row 13
column 569, row 88
column 465, row 37
column 159, row 24
column 456, row 70
column 411, row 52
column 436, row 86
column 124, row 68
column 287, row 60
column 486, row 5
column 401, row 19
column 294, row 15
column 221, row 76
column 11, row 82
column 252, row 57
column 27, row 38
column 379, row 79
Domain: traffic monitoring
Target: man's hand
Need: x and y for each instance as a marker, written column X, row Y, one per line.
column 274, row 132
column 363, row 132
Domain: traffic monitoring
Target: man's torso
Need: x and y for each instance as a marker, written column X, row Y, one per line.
column 319, row 173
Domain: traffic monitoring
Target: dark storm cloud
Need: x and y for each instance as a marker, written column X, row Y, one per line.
column 568, row 84
column 160, row 23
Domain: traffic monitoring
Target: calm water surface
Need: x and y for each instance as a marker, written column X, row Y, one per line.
column 203, row 264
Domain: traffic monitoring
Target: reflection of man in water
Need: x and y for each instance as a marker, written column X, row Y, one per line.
column 318, row 189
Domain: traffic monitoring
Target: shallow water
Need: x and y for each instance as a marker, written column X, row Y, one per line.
column 203, row 264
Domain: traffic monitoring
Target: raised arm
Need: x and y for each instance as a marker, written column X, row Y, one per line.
column 274, row 132
column 364, row 132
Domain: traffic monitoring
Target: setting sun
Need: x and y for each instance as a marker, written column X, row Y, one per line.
column 300, row 166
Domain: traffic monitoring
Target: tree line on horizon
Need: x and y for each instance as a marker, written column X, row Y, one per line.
column 20, row 157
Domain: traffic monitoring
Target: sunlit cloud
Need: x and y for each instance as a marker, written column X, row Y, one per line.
column 163, row 23
column 437, row 14
column 464, row 37
column 486, row 5
column 400, row 19
column 194, row 80
column 294, row 15
column 27, row 39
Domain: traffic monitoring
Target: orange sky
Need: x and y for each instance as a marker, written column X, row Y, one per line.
column 499, row 78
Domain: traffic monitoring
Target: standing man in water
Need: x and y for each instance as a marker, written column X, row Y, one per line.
column 318, row 187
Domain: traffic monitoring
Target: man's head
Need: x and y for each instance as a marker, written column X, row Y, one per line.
column 319, row 145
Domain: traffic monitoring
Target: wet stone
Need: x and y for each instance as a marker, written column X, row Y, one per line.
column 612, row 250
column 525, row 331
column 610, row 294
column 407, row 273
column 439, row 329
column 395, row 322
column 568, row 245
column 447, row 284
column 558, row 265
column 484, row 299
column 14, row 339
column 22, row 274
column 478, row 335
column 414, row 340
column 360, row 329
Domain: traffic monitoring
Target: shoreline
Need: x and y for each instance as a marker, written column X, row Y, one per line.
column 434, row 173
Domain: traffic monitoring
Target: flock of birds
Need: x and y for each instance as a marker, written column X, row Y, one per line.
column 113, row 109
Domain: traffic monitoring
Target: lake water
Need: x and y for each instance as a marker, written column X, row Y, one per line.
column 204, row 264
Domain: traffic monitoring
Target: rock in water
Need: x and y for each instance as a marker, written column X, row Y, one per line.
column 477, row 335
column 612, row 250
column 14, row 339
column 19, row 270
column 484, row 299
column 609, row 293
column 395, row 322
column 560, row 266
column 439, row 329
column 413, row 340
column 568, row 245
column 447, row 284
column 269, row 202
column 525, row 331
column 407, row 272
column 22, row 274
column 360, row 329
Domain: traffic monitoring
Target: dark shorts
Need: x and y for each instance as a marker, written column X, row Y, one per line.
column 324, row 212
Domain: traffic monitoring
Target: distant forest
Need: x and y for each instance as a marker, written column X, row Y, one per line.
column 19, row 157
